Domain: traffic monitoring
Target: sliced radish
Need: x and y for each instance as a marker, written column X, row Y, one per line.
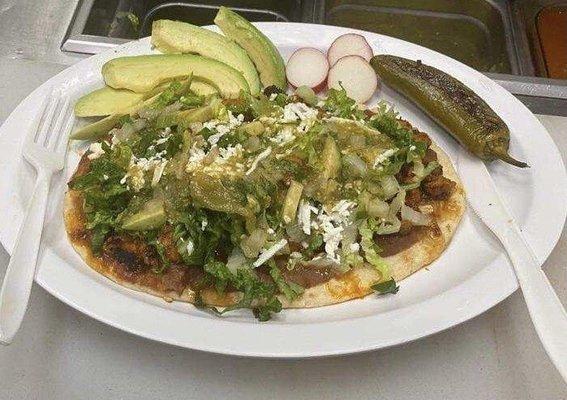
column 355, row 75
column 350, row 44
column 307, row 67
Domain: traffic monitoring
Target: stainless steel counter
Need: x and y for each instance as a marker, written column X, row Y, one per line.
column 35, row 30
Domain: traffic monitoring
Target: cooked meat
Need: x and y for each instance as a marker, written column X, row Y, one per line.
column 405, row 175
column 438, row 187
column 413, row 198
column 422, row 137
column 417, row 134
column 429, row 156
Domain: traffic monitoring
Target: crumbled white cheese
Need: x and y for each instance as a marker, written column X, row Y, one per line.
column 223, row 128
column 226, row 153
column 289, row 115
column 383, row 157
column 266, row 254
column 332, row 237
column 138, row 166
column 96, row 151
column 354, row 247
column 270, row 231
column 273, row 96
column 196, row 156
column 105, row 177
column 259, row 158
column 190, row 247
column 304, row 216
column 331, row 224
column 284, row 136
column 293, row 112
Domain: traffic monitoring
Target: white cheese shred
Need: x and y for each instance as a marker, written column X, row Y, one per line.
column 259, row 158
column 266, row 254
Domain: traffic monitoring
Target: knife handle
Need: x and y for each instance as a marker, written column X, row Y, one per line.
column 545, row 308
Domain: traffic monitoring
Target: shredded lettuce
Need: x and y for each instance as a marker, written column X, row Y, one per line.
column 386, row 121
column 256, row 294
column 340, row 105
column 371, row 250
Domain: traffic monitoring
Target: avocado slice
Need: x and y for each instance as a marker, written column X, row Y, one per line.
column 106, row 101
column 180, row 37
column 103, row 126
column 203, row 88
column 143, row 73
column 151, row 216
column 97, row 129
column 261, row 50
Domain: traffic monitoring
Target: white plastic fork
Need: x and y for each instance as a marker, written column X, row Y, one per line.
column 44, row 148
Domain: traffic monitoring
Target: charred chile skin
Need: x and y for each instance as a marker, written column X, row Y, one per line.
column 451, row 104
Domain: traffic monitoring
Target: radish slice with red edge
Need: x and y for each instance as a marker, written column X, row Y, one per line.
column 307, row 67
column 350, row 44
column 355, row 75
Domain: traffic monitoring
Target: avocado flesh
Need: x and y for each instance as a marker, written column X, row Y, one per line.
column 143, row 73
column 203, row 88
column 103, row 126
column 106, row 101
column 97, row 129
column 261, row 50
column 151, row 216
column 180, row 37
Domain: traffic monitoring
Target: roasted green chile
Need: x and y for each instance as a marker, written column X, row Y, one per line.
column 451, row 104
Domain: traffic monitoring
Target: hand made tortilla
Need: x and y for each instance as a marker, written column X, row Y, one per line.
column 354, row 284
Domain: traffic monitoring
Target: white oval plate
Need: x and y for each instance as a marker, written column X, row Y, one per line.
column 471, row 276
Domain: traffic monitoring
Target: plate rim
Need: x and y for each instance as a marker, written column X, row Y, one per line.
column 434, row 328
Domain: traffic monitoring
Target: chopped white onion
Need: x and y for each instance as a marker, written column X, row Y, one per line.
column 397, row 204
column 415, row 217
column 235, row 260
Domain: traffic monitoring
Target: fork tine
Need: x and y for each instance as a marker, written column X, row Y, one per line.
column 40, row 117
column 63, row 141
column 56, row 132
column 44, row 131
